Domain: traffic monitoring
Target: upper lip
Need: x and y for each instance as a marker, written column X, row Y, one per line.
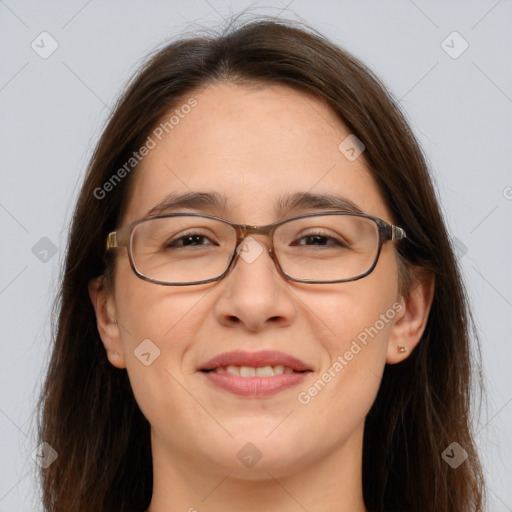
column 255, row 360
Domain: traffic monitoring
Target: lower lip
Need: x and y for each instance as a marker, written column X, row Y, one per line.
column 255, row 386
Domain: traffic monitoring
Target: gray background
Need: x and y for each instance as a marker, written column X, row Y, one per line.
column 52, row 111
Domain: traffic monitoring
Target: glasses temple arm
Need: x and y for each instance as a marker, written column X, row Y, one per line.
column 397, row 233
column 118, row 238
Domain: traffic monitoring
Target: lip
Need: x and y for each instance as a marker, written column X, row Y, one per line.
column 255, row 386
column 255, row 360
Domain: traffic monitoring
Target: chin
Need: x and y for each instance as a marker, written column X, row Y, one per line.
column 252, row 453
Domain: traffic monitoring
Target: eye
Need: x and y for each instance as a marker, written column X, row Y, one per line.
column 189, row 240
column 319, row 239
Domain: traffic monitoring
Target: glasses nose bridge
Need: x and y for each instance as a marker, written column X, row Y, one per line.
column 245, row 230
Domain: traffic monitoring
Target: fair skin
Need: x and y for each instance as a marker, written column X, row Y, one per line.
column 254, row 145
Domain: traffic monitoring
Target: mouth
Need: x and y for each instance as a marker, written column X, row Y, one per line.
column 251, row 371
column 255, row 374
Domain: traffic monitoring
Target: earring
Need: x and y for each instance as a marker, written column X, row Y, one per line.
column 401, row 349
column 116, row 354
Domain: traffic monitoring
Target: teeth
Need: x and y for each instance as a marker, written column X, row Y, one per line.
column 233, row 370
column 248, row 371
column 278, row 370
column 263, row 371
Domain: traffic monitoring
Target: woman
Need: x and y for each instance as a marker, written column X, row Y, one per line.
column 260, row 308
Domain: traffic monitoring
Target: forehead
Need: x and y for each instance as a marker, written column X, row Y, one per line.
column 254, row 146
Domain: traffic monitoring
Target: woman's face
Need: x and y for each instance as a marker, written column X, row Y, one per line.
column 254, row 146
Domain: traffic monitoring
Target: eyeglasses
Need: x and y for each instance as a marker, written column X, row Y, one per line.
column 192, row 248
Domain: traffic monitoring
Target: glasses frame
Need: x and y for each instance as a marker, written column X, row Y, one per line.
column 123, row 237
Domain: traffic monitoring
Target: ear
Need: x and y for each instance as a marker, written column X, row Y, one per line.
column 411, row 319
column 106, row 321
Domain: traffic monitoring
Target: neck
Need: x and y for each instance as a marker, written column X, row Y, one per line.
column 330, row 484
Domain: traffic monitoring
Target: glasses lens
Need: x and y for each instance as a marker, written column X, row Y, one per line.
column 327, row 247
column 182, row 249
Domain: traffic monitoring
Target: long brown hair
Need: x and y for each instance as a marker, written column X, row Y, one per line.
column 88, row 413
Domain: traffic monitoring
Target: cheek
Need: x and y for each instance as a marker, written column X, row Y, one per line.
column 155, row 325
column 337, row 401
column 360, row 315
column 359, row 310
column 147, row 310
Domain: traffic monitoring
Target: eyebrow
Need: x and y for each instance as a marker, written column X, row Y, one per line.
column 215, row 203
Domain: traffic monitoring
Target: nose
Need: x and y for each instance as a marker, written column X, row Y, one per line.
column 254, row 294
